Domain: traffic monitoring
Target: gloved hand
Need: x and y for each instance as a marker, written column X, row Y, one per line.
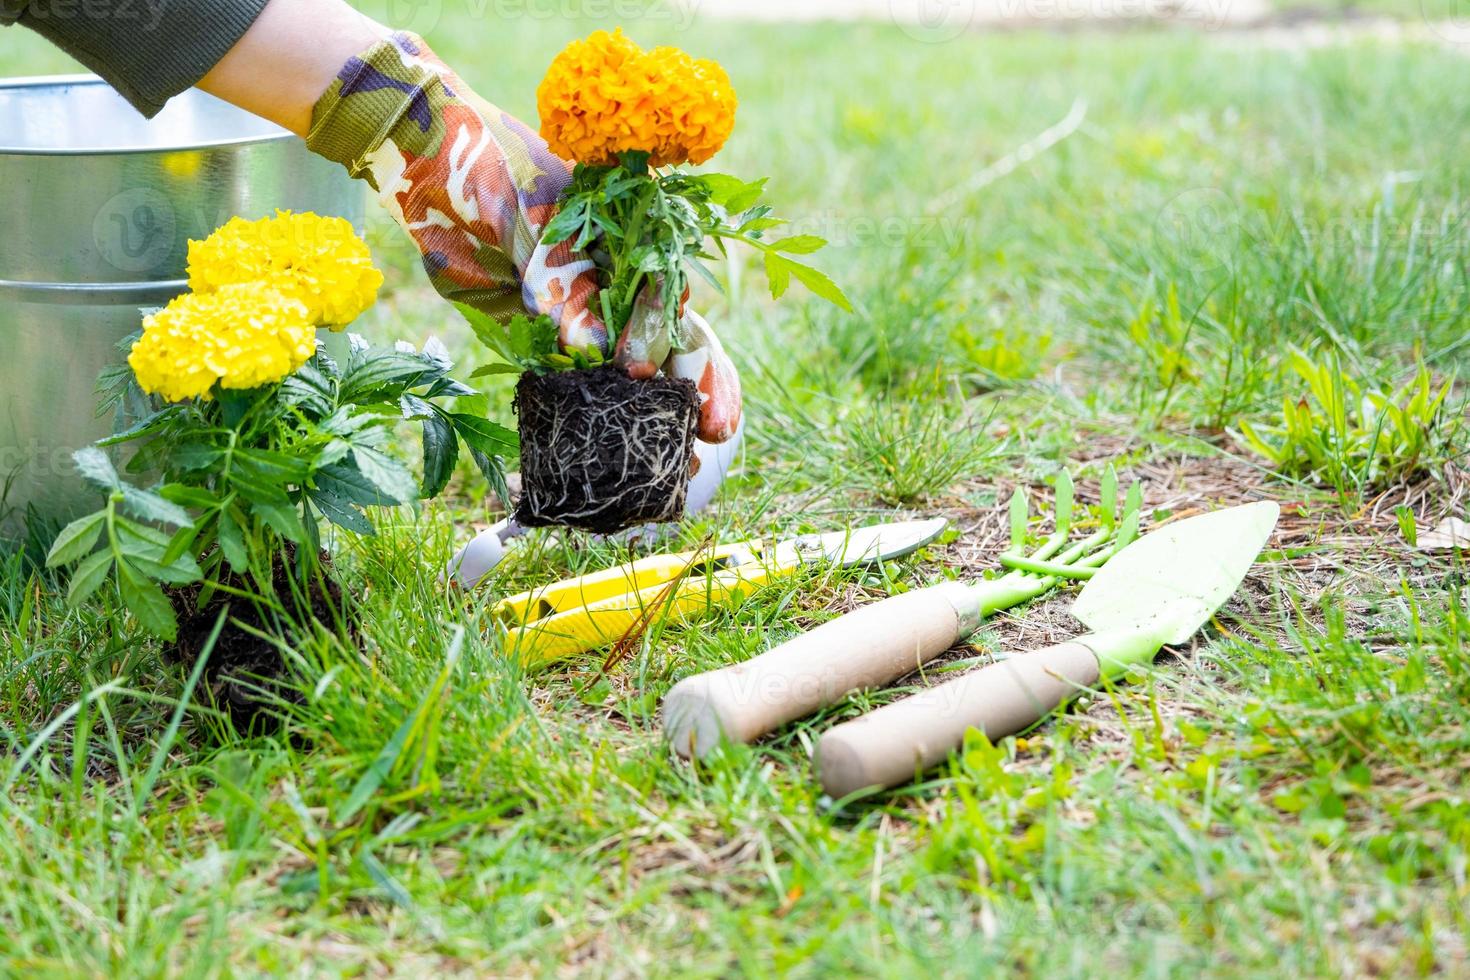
column 474, row 187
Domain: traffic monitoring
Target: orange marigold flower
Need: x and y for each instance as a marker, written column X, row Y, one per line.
column 605, row 96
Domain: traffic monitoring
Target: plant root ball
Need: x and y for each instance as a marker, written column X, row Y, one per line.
column 601, row 451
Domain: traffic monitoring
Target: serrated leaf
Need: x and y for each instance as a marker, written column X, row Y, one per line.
column 414, row 407
column 820, row 284
column 140, row 539
column 491, row 369
column 94, row 465
column 149, row 506
column 732, row 193
column 754, row 226
column 451, row 387
column 142, row 427
column 187, row 496
column 778, row 274
column 342, row 512
column 76, row 540
column 181, row 571
column 441, row 450
column 282, row 518
column 493, row 470
column 490, row 438
column 346, row 482
column 488, row 330
column 88, row 577
column 147, row 602
column 232, row 542
column 381, row 367
column 799, row 244
column 390, row 476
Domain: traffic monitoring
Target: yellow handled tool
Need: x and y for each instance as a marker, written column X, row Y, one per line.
column 591, row 611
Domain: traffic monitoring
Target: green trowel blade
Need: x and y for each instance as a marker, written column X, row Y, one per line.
column 1176, row 577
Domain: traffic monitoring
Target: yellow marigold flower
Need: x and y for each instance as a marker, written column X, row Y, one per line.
column 241, row 336
column 604, row 96
column 319, row 261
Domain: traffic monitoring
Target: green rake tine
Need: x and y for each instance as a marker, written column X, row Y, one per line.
column 1065, row 491
column 1134, row 502
column 1108, row 497
column 1128, row 531
column 1020, row 512
column 1049, row 569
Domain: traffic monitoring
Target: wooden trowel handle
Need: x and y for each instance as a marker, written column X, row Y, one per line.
column 889, row 745
column 871, row 647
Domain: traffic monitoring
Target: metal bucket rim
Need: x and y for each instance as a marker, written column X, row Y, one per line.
column 37, row 81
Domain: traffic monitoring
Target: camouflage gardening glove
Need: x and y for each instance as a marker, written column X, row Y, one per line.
column 474, row 187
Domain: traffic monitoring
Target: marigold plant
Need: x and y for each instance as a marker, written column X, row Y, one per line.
column 605, row 96
column 622, row 113
column 241, row 336
column 317, row 261
column 261, row 435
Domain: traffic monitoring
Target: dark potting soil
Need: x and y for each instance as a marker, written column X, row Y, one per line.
column 601, row 451
column 241, row 663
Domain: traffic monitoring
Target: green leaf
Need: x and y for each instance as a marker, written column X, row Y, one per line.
column 819, row 283
column 147, row 602
column 568, row 221
column 342, row 512
column 532, row 339
column 490, row 438
column 492, row 369
column 732, row 193
column 76, row 540
column 188, row 496
column 488, row 330
column 346, row 482
column 799, row 244
column 142, row 427
column 494, row 472
column 386, row 473
column 778, row 273
column 150, row 506
column 140, row 539
column 88, row 576
column 282, row 518
column 755, row 226
column 441, row 450
column 232, row 541
column 181, row 571
column 414, row 407
column 382, row 367
column 96, row 467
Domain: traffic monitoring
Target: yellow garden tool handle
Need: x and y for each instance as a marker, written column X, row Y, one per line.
column 599, row 623
column 870, row 647
column 620, row 581
column 890, row 745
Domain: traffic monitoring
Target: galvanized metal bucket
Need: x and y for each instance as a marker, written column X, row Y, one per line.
column 97, row 205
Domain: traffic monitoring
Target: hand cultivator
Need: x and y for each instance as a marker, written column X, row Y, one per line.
column 880, row 643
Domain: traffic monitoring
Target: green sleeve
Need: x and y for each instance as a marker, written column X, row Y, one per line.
column 149, row 50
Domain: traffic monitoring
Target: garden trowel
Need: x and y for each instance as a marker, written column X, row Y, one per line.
column 1159, row 590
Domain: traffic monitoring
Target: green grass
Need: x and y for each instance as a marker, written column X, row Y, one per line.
column 1284, row 797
